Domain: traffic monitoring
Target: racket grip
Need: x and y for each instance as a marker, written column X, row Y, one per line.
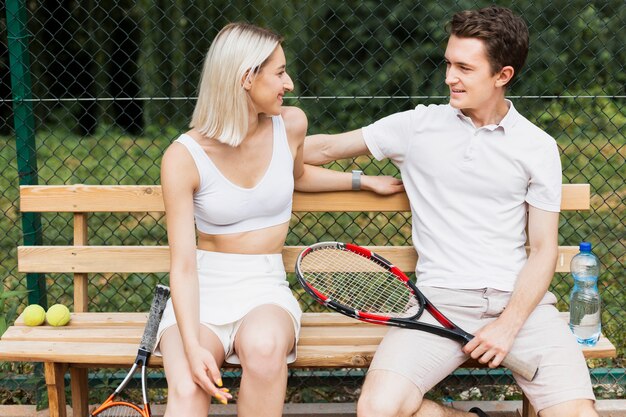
column 523, row 368
column 159, row 301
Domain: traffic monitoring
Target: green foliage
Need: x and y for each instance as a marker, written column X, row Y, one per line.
column 337, row 50
column 8, row 307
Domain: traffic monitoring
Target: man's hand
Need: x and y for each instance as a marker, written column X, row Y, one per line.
column 492, row 343
column 383, row 184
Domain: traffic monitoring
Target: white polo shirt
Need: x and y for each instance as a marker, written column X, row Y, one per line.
column 469, row 189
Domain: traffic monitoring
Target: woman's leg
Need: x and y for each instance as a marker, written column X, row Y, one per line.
column 263, row 341
column 184, row 397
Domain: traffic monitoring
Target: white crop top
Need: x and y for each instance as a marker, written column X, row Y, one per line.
column 221, row 207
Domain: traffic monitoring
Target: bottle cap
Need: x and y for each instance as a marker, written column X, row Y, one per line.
column 585, row 247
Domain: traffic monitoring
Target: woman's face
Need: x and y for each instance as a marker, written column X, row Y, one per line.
column 267, row 89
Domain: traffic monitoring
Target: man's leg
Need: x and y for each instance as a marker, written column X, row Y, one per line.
column 408, row 363
column 574, row 408
column 387, row 394
column 562, row 387
column 433, row 409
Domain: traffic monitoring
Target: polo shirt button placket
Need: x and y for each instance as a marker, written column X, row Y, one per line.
column 469, row 152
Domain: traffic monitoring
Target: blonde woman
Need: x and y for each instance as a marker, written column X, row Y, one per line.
column 232, row 177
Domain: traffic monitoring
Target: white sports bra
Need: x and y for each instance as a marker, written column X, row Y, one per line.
column 221, row 207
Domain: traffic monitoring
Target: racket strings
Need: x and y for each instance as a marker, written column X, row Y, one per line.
column 120, row 410
column 357, row 282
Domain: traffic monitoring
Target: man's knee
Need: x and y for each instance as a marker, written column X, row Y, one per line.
column 387, row 394
column 575, row 408
column 379, row 406
column 374, row 407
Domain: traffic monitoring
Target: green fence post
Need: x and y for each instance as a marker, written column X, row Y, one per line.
column 24, row 123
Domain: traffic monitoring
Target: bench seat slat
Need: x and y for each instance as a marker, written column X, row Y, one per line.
column 317, row 329
column 311, row 335
column 123, row 354
column 138, row 319
column 331, row 334
column 100, row 334
column 148, row 198
column 103, row 319
column 154, row 259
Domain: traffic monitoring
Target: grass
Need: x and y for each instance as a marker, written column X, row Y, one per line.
column 112, row 157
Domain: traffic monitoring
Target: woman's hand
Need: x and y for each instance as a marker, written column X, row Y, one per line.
column 381, row 184
column 206, row 373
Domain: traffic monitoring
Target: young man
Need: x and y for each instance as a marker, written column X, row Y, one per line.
column 476, row 172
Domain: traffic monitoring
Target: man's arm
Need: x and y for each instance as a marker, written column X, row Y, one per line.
column 322, row 149
column 314, row 179
column 492, row 343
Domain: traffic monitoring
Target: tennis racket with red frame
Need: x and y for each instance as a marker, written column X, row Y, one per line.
column 355, row 281
column 114, row 408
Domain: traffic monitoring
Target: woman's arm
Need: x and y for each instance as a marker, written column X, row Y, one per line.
column 179, row 179
column 311, row 178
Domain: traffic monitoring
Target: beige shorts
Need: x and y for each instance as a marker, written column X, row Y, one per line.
column 426, row 359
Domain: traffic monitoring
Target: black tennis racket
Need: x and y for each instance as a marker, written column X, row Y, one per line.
column 361, row 284
column 114, row 408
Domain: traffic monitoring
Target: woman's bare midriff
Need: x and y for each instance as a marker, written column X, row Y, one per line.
column 262, row 241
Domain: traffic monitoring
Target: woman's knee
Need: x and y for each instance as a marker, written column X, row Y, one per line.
column 186, row 394
column 264, row 357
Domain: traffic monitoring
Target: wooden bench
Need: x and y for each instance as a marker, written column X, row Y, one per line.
column 94, row 340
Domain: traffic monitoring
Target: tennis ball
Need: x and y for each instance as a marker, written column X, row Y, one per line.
column 34, row 315
column 58, row 315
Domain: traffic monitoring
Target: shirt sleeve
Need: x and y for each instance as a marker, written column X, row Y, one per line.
column 390, row 136
column 544, row 188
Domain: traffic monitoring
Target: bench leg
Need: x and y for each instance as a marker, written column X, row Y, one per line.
column 80, row 391
column 55, row 381
column 527, row 407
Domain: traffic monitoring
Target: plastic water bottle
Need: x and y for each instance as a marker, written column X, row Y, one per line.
column 584, row 313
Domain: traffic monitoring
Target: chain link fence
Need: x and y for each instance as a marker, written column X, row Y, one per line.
column 108, row 85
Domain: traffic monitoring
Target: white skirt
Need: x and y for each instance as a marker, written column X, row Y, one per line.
column 231, row 285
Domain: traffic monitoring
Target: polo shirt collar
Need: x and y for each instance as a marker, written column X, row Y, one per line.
column 506, row 123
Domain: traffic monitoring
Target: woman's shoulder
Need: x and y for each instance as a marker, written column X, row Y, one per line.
column 178, row 167
column 177, row 153
column 295, row 120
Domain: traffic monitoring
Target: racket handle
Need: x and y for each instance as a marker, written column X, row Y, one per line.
column 159, row 301
column 523, row 368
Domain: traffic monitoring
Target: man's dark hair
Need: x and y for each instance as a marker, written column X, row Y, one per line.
column 505, row 35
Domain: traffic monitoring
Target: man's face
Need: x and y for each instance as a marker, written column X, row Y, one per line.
column 468, row 74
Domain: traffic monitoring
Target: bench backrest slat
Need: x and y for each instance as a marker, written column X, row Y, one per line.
column 155, row 259
column 144, row 198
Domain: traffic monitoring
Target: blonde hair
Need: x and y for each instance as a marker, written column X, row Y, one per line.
column 221, row 111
